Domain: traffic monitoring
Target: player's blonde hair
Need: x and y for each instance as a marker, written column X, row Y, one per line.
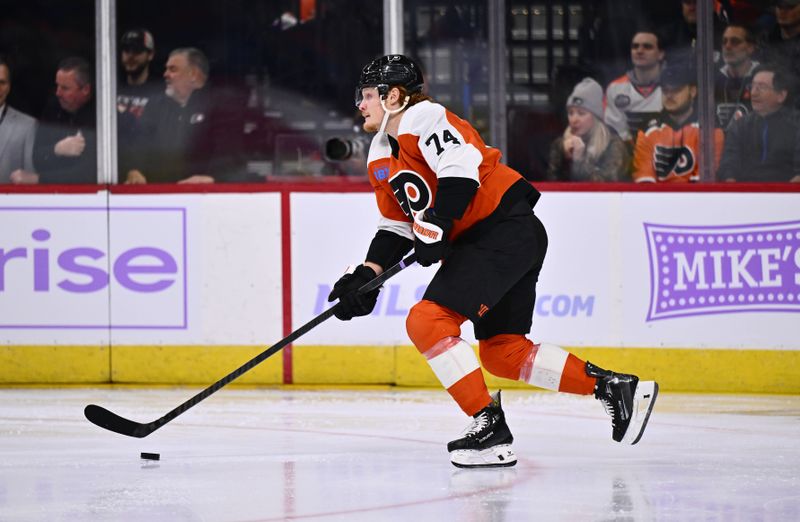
column 414, row 99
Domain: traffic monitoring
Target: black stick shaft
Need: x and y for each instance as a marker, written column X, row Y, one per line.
column 143, row 430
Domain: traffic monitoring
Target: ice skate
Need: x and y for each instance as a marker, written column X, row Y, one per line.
column 628, row 400
column 486, row 442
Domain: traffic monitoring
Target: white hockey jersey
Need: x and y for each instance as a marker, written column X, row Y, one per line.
column 630, row 104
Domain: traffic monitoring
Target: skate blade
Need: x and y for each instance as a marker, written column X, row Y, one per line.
column 495, row 457
column 644, row 398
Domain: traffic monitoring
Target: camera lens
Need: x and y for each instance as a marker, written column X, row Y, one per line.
column 341, row 149
column 337, row 149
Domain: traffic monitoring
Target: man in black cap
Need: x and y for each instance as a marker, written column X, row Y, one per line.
column 137, row 49
column 139, row 87
column 668, row 151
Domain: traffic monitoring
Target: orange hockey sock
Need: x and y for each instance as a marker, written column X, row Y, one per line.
column 470, row 392
column 574, row 378
column 547, row 366
column 435, row 331
column 504, row 355
column 428, row 323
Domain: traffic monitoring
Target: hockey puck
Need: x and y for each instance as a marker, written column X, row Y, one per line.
column 151, row 456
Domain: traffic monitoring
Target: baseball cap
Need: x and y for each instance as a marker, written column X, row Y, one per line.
column 676, row 75
column 137, row 40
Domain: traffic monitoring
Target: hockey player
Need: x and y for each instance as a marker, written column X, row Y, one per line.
column 441, row 191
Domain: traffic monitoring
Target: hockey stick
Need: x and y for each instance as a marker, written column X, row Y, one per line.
column 113, row 422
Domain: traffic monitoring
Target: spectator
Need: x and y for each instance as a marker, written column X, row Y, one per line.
column 636, row 96
column 604, row 36
column 137, row 49
column 765, row 144
column 17, row 134
column 668, row 151
column 782, row 43
column 680, row 37
column 733, row 79
column 66, row 146
column 588, row 149
column 748, row 12
column 183, row 137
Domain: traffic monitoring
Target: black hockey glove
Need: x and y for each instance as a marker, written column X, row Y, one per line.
column 351, row 303
column 430, row 237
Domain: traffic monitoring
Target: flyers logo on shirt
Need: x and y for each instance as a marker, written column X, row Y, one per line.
column 669, row 159
column 411, row 191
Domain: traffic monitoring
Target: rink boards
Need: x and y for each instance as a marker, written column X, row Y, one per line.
column 698, row 290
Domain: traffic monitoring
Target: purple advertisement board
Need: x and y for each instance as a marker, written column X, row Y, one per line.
column 93, row 268
column 699, row 270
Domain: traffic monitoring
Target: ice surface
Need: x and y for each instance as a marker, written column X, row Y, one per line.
column 373, row 455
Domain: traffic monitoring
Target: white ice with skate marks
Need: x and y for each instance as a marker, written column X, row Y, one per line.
column 366, row 455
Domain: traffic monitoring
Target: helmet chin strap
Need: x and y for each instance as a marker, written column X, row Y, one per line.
column 387, row 112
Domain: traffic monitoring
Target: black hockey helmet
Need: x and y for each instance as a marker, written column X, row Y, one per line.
column 390, row 71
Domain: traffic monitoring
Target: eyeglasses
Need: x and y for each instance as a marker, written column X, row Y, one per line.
column 761, row 87
column 732, row 40
column 645, row 46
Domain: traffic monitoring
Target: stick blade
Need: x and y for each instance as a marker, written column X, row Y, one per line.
column 111, row 421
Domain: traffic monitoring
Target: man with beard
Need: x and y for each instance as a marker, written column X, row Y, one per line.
column 137, row 50
column 139, row 87
column 668, row 151
column 187, row 134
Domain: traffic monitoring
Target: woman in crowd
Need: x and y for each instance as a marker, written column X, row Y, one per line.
column 588, row 150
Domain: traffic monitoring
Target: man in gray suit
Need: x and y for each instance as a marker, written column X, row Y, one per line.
column 17, row 133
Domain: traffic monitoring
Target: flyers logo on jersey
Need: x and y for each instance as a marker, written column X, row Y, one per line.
column 673, row 159
column 412, row 192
